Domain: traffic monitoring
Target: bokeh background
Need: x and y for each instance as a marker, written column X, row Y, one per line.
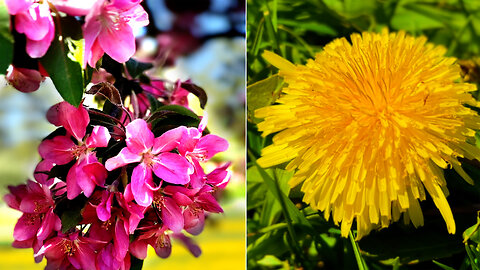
column 201, row 40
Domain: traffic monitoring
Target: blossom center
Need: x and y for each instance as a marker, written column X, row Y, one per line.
column 199, row 154
column 148, row 159
column 79, row 150
column 162, row 241
column 69, row 248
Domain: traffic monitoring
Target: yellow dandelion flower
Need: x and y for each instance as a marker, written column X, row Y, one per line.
column 369, row 125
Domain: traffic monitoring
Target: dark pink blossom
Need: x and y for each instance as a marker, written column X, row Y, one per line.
column 201, row 148
column 38, row 220
column 24, row 79
column 87, row 172
column 158, row 89
column 197, row 148
column 153, row 154
column 33, row 19
column 112, row 204
column 196, row 202
column 170, row 212
column 109, row 29
column 155, row 236
column 65, row 250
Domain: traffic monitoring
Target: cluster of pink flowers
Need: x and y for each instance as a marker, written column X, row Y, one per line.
column 108, row 27
column 130, row 191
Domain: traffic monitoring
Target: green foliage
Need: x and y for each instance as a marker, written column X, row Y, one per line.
column 63, row 60
column 136, row 68
column 6, row 39
column 285, row 233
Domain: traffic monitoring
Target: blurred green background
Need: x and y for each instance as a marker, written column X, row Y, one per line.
column 297, row 237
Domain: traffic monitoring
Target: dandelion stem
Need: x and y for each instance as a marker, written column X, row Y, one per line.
column 470, row 256
column 358, row 256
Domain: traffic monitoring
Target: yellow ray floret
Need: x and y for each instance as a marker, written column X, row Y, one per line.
column 369, row 125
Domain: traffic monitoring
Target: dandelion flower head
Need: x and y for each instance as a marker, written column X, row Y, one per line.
column 369, row 126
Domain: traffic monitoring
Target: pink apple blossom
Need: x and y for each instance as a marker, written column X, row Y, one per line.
column 109, row 29
column 65, row 250
column 153, row 154
column 38, row 220
column 24, row 79
column 155, row 236
column 197, row 148
column 87, row 172
column 73, row 7
column 33, row 18
column 195, row 201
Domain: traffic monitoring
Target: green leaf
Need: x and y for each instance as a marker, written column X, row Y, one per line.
column 267, row 244
column 443, row 266
column 135, row 68
column 318, row 27
column 172, row 116
column 6, row 39
column 63, row 60
column 413, row 21
column 473, row 233
column 70, row 212
column 282, row 176
column 261, row 94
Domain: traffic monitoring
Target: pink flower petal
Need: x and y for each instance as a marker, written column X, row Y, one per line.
column 23, row 79
column 168, row 140
column 94, row 171
column 220, row 176
column 85, row 255
column 73, row 189
column 26, row 227
column 124, row 4
column 53, row 115
column 137, row 15
column 138, row 248
column 123, row 158
column 209, row 203
column 118, row 42
column 172, row 215
column 41, row 172
column 99, row 137
column 48, row 225
column 91, row 29
column 121, row 241
column 35, row 22
column 142, row 194
column 182, row 199
column 57, row 150
column 74, row 7
column 173, row 168
column 105, row 207
column 96, row 52
column 203, row 123
column 210, row 145
column 52, row 249
column 189, row 140
column 74, row 120
column 194, row 220
column 163, row 246
column 16, row 6
column 198, row 178
column 139, row 136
